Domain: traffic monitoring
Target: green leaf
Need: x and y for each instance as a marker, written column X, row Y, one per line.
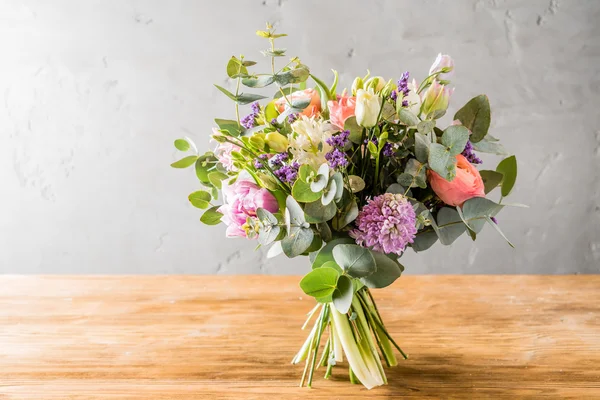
column 268, row 228
column 329, row 193
column 185, row 162
column 292, row 76
column 355, row 130
column 325, row 232
column 235, row 67
column 424, row 127
column 294, row 213
column 372, row 149
column 508, row 168
column 347, row 214
column 355, row 260
column 216, row 177
column 297, row 242
column 260, row 81
column 487, row 145
column 421, row 147
column 396, row 189
column 407, row 117
column 475, row 210
column 202, row 172
column 416, row 171
column 449, row 225
column 491, row 179
column 211, row 216
column 441, row 161
column 387, row 272
column 476, row 117
column 326, row 253
column 497, row 228
column 302, row 192
column 227, row 93
column 200, row 199
column 248, row 63
column 182, row 145
column 339, row 185
column 247, row 98
column 271, row 111
column 273, row 53
column 321, row 180
column 455, row 139
column 319, row 282
column 332, row 264
column 342, row 295
column 356, row 183
column 229, row 125
column 316, row 212
column 424, row 240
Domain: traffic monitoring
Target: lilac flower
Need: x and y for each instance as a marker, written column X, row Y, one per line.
column 278, row 159
column 288, row 173
column 386, row 223
column 336, row 159
column 255, row 107
column 258, row 164
column 388, row 149
column 470, row 154
column 292, row 118
column 340, row 140
column 249, row 121
column 402, row 89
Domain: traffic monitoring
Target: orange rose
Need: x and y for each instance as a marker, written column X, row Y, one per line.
column 341, row 110
column 466, row 184
column 313, row 108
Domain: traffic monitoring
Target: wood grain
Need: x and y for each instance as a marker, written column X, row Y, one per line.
column 207, row 337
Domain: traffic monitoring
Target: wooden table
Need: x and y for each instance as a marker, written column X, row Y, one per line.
column 218, row 337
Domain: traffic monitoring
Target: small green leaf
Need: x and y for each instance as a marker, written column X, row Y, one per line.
column 321, row 180
column 339, row 185
column 476, row 209
column 508, row 168
column 227, row 93
column 260, row 81
column 343, row 294
column 441, row 161
column 273, row 53
column 235, row 67
column 387, row 272
column 424, row 240
column 229, row 125
column 185, row 162
column 355, row 130
column 297, row 242
column 455, row 139
column 347, row 214
column 211, row 216
column 356, row 183
column 200, row 199
column 271, row 111
column 424, row 127
column 355, row 260
column 316, row 212
column 332, row 264
column 325, row 254
column 476, row 117
column 182, row 145
column 247, row 98
column 216, row 177
column 407, row 117
column 319, row 282
column 449, row 225
column 329, row 193
column 296, row 75
column 421, row 147
column 491, row 179
column 295, row 212
column 303, row 193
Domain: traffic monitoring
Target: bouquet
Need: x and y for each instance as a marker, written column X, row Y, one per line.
column 350, row 179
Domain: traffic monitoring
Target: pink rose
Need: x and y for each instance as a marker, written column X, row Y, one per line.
column 466, row 184
column 341, row 110
column 241, row 201
column 311, row 110
column 223, row 154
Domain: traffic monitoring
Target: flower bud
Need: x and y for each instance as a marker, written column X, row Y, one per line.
column 436, row 98
column 357, row 84
column 377, row 83
column 443, row 64
column 367, row 108
column 277, row 141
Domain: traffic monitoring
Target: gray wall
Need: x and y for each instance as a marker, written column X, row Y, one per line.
column 94, row 92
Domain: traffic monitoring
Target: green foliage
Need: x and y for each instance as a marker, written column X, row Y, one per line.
column 356, row 261
column 441, row 156
column 424, row 127
column 355, row 130
column 235, row 68
column 268, row 227
column 317, row 212
column 303, row 193
column 424, row 240
column 326, row 253
column 475, row 211
column 414, row 175
column 185, row 162
column 508, row 168
column 421, row 147
column 347, row 213
column 230, row 126
column 297, row 242
column 211, row 216
column 356, row 183
column 449, row 225
column 200, row 199
column 259, row 81
column 320, row 181
column 296, row 75
column 329, row 193
column 491, row 145
column 476, row 117
column 386, row 273
column 216, row 178
column 182, row 145
column 455, row 139
column 491, row 179
column 320, row 282
column 407, row 117
column 242, row 98
column 343, row 293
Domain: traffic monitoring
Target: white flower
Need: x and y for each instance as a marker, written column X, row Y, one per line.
column 367, row 108
column 308, row 141
column 443, row 63
column 413, row 99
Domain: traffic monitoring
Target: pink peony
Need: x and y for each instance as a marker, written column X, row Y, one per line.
column 466, row 184
column 341, row 110
column 223, row 154
column 241, row 201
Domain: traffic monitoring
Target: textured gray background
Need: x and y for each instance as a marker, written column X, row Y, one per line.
column 94, row 92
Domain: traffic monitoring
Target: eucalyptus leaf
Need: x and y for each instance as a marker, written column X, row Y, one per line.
column 200, row 199
column 295, row 211
column 487, row 145
column 182, row 145
column 332, row 264
column 216, row 178
column 227, row 93
column 185, row 162
column 491, row 179
column 441, row 161
column 319, row 282
column 329, row 193
column 356, row 183
column 449, row 225
column 476, row 117
column 387, row 272
column 455, row 139
column 316, row 212
column 346, row 215
column 326, row 253
column 407, row 117
column 211, row 216
column 395, row 188
column 235, row 67
column 355, row 260
column 497, row 228
column 258, row 81
column 325, row 232
column 292, row 76
column 424, row 127
column 274, row 250
column 339, row 185
column 229, row 125
column 421, row 147
column 343, row 294
column 355, row 130
column 247, row 98
column 303, row 193
column 297, row 242
column 508, row 168
column 424, row 240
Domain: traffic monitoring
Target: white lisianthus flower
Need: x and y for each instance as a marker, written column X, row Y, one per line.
column 367, row 108
column 413, row 99
column 308, row 142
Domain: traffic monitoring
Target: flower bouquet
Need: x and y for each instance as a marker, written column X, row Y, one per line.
column 349, row 180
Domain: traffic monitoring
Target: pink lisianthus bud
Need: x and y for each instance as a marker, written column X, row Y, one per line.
column 341, row 110
column 466, row 184
column 444, row 64
column 436, row 98
column 311, row 110
column 242, row 199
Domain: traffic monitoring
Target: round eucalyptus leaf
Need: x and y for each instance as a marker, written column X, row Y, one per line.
column 320, row 282
column 342, row 295
column 325, row 254
column 387, row 272
column 329, row 193
column 355, row 260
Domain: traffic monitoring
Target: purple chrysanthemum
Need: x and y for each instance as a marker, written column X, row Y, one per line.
column 386, row 223
column 470, row 154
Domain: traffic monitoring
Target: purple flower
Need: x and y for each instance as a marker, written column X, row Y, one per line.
column 288, row 173
column 336, row 159
column 249, row 121
column 494, row 220
column 402, row 88
column 386, row 223
column 388, row 149
column 278, row 159
column 255, row 107
column 470, row 154
column 340, row 140
column 258, row 164
column 292, row 118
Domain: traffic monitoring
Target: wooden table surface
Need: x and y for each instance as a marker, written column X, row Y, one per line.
column 207, row 337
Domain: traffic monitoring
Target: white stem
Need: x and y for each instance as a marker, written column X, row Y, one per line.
column 337, row 345
column 368, row 345
column 304, row 349
column 368, row 378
